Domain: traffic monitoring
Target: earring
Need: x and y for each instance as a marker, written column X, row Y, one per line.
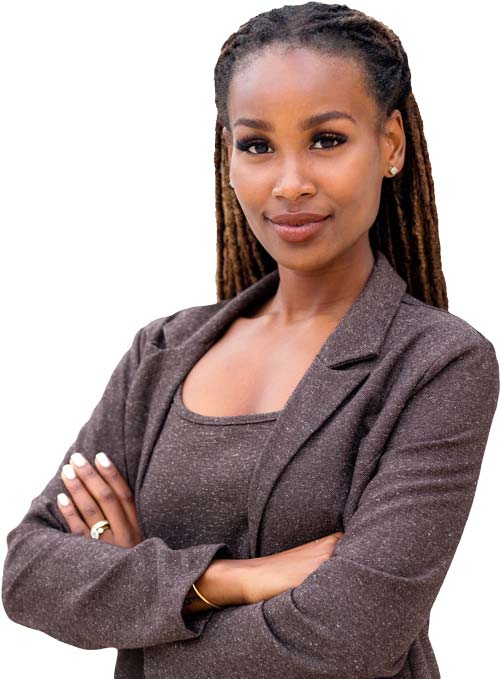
column 393, row 170
column 231, row 184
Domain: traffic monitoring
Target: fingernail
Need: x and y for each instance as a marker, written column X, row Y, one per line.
column 68, row 471
column 63, row 499
column 78, row 459
column 103, row 459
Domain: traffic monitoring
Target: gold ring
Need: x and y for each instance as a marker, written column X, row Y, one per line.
column 98, row 529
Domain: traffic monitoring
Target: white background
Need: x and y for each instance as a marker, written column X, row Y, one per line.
column 107, row 219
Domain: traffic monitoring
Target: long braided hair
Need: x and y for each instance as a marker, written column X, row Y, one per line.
column 406, row 226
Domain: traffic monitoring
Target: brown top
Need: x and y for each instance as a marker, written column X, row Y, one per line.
column 383, row 439
column 177, row 490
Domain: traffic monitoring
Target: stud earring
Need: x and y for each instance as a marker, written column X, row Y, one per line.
column 393, row 170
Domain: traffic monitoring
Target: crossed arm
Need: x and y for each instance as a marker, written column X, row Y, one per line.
column 354, row 617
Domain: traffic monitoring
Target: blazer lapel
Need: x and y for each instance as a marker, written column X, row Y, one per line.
column 165, row 367
column 335, row 373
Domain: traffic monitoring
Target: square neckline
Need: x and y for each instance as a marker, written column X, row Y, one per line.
column 245, row 418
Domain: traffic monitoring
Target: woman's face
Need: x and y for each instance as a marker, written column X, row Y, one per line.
column 333, row 167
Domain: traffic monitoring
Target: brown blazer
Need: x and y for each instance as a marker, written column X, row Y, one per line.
column 382, row 438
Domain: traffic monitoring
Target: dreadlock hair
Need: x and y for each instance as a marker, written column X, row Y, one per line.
column 406, row 226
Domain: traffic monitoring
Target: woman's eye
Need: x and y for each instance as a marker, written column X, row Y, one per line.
column 332, row 139
column 248, row 143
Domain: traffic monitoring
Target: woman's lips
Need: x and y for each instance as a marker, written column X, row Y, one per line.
column 297, row 234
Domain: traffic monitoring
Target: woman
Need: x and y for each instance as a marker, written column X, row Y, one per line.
column 290, row 469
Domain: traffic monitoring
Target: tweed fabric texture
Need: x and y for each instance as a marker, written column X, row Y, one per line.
column 202, row 463
column 383, row 438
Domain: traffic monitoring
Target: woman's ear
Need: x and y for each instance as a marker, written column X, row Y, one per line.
column 395, row 141
column 226, row 136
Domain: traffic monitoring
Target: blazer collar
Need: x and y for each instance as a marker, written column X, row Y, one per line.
column 336, row 372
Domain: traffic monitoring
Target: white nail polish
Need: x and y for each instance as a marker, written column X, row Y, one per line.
column 103, row 459
column 78, row 459
column 68, row 471
column 63, row 499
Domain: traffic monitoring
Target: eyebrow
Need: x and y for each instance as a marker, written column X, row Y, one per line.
column 304, row 125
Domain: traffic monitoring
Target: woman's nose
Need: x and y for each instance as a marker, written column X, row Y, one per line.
column 293, row 183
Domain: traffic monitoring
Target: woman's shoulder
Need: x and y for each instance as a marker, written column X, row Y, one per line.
column 166, row 331
column 432, row 326
column 424, row 341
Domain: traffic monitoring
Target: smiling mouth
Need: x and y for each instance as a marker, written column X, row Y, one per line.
column 297, row 233
column 302, row 223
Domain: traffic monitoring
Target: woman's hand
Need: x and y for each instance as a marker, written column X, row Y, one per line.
column 268, row 576
column 97, row 495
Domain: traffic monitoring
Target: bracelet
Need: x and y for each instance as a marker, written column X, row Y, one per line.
column 203, row 598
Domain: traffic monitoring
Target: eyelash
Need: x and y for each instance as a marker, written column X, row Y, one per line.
column 244, row 143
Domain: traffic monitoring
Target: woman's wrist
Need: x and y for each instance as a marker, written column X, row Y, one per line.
column 223, row 583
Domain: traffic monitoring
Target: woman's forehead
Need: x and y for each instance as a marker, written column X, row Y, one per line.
column 296, row 82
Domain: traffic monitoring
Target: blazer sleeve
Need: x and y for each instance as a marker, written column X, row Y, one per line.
column 356, row 616
column 89, row 593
